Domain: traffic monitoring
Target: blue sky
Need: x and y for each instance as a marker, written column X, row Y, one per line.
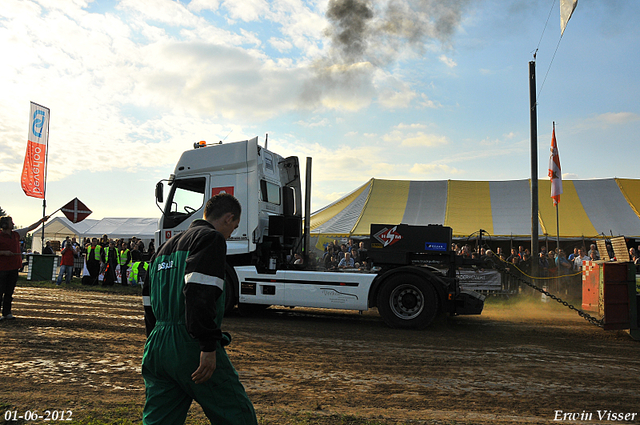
column 402, row 89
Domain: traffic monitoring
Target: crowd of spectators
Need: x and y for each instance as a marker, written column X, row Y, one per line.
column 110, row 261
column 554, row 267
column 134, row 244
column 350, row 255
column 102, row 260
column 550, row 263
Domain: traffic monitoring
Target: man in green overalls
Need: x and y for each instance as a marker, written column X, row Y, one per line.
column 183, row 295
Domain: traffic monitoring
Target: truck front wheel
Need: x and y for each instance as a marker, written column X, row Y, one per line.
column 407, row 301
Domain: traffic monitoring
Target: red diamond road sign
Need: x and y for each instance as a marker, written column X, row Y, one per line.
column 76, row 211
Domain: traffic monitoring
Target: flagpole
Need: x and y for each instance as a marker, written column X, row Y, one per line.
column 44, row 192
column 557, row 228
column 557, row 206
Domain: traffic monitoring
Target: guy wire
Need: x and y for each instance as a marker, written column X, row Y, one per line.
column 544, row 29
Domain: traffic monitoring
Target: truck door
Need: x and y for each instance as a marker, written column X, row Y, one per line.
column 184, row 203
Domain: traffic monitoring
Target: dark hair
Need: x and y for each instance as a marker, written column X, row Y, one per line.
column 220, row 204
column 4, row 222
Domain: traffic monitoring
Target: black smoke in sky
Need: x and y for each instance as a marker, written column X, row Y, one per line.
column 377, row 31
column 368, row 35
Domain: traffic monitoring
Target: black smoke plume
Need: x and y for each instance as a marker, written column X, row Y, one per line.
column 378, row 31
column 367, row 35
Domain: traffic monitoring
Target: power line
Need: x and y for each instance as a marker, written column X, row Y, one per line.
column 554, row 53
column 548, row 69
column 544, row 29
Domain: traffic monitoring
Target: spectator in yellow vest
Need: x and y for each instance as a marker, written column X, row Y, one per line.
column 124, row 259
column 110, row 258
column 94, row 258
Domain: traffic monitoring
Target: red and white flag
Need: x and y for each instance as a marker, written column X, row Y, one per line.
column 35, row 160
column 75, row 211
column 554, row 170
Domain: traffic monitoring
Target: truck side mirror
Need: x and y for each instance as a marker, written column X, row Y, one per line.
column 159, row 192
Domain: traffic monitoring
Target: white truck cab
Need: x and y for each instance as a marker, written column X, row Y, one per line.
column 265, row 183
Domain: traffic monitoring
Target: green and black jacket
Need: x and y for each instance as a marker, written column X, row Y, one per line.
column 185, row 284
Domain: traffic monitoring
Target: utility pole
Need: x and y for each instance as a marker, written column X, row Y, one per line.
column 534, row 167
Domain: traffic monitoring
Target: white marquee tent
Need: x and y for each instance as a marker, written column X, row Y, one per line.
column 59, row 228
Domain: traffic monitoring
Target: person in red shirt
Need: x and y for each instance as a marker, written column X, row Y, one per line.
column 11, row 260
column 66, row 264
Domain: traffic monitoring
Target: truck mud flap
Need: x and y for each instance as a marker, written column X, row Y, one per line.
column 469, row 302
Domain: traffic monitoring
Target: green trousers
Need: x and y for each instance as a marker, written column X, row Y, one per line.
column 170, row 357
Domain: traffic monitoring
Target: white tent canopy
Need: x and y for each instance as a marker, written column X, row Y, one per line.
column 59, row 228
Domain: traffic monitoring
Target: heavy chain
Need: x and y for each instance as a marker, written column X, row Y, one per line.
column 581, row 313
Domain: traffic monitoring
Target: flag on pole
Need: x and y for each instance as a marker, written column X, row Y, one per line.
column 554, row 170
column 566, row 10
column 75, row 211
column 35, row 160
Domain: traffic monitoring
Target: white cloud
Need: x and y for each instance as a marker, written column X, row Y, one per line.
column 434, row 169
column 407, row 135
column 246, row 10
column 392, row 92
column 497, row 142
column 160, row 11
column 324, row 122
column 114, row 101
column 344, row 165
column 428, row 103
column 280, row 44
column 199, row 5
column 606, row 120
column 616, row 118
column 488, row 142
column 396, row 99
column 447, row 61
column 403, row 126
column 422, row 139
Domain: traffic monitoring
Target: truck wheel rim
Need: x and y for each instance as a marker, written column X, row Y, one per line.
column 406, row 302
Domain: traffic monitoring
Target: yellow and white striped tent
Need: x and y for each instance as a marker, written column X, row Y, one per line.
column 588, row 208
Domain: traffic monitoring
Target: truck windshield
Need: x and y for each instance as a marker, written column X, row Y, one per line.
column 186, row 197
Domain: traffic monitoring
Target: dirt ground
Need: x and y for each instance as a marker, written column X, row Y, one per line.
column 519, row 362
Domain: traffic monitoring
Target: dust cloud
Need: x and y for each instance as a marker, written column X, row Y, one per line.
column 527, row 308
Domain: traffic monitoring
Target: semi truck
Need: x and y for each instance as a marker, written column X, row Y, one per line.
column 411, row 272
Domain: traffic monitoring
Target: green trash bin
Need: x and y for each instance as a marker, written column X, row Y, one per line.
column 42, row 267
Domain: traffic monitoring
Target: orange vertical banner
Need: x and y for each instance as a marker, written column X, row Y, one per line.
column 35, row 160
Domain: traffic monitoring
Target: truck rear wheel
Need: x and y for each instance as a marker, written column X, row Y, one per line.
column 407, row 301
